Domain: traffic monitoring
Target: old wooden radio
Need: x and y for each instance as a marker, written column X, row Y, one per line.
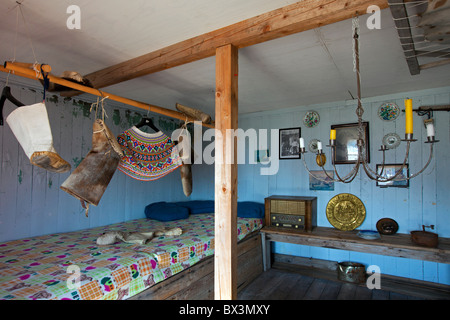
column 291, row 212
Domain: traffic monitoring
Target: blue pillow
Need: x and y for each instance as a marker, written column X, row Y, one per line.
column 163, row 211
column 197, row 206
column 249, row 209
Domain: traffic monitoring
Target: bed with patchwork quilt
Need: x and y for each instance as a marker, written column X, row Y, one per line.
column 72, row 266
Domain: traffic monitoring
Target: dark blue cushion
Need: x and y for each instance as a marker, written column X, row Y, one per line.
column 197, row 206
column 163, row 211
column 249, row 209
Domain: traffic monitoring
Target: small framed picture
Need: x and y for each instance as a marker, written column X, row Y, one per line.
column 289, row 143
column 389, row 171
column 319, row 180
column 346, row 143
column 262, row 156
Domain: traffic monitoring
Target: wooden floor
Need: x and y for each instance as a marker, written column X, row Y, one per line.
column 279, row 284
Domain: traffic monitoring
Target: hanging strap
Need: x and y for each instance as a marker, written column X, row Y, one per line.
column 46, row 80
column 6, row 95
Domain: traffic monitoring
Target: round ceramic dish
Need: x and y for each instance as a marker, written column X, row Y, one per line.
column 368, row 234
column 391, row 140
column 313, row 145
column 388, row 111
column 311, row 119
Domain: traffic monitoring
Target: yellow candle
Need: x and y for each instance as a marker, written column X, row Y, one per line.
column 409, row 116
column 332, row 134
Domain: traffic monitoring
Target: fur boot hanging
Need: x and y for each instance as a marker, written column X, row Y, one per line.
column 89, row 180
column 185, row 169
column 31, row 127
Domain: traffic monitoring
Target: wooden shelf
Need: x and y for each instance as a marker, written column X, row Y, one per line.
column 398, row 245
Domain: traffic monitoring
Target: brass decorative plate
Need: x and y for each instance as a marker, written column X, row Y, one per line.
column 346, row 211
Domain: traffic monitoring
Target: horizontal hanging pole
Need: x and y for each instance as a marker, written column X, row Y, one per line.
column 23, row 70
column 431, row 108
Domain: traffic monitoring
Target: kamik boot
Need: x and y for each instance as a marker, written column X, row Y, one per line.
column 31, row 127
column 89, row 180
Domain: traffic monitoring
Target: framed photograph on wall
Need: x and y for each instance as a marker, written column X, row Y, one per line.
column 346, row 143
column 323, row 183
column 289, row 143
column 389, row 171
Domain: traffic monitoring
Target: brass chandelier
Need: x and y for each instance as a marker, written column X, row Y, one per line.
column 361, row 143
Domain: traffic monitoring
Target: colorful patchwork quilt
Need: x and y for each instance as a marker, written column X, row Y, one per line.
column 71, row 266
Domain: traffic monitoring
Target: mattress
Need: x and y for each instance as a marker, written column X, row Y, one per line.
column 71, row 266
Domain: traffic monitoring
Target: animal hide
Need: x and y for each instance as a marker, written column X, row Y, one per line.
column 50, row 161
column 70, row 76
column 186, row 179
column 194, row 113
column 185, row 171
column 135, row 237
column 89, row 180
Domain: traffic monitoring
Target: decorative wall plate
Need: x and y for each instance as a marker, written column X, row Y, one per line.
column 387, row 226
column 345, row 211
column 391, row 140
column 312, row 146
column 311, row 119
column 388, row 111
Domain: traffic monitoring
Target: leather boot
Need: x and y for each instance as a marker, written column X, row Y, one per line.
column 31, row 127
column 89, row 180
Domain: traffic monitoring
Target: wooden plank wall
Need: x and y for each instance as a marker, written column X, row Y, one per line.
column 426, row 201
column 31, row 202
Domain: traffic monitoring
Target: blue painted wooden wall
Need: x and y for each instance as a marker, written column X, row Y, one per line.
column 31, row 202
column 426, row 201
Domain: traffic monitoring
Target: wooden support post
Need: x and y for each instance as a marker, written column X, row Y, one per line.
column 225, row 259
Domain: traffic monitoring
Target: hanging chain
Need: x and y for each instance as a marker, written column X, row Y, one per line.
column 359, row 109
column 355, row 28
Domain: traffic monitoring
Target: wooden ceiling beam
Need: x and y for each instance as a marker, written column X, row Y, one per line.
column 433, row 54
column 434, row 64
column 298, row 17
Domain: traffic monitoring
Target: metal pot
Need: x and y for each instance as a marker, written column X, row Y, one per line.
column 351, row 272
column 425, row 238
